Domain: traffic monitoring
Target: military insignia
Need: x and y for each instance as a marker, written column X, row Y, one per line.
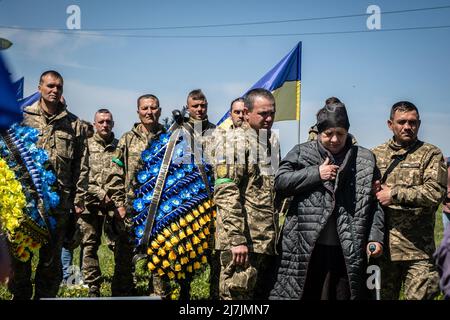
column 222, row 170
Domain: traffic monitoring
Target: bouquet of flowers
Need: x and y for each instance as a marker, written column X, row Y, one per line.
column 28, row 192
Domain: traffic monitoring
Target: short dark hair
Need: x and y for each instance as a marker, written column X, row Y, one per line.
column 240, row 99
column 196, row 94
column 332, row 100
column 403, row 106
column 53, row 73
column 148, row 96
column 103, row 110
column 249, row 98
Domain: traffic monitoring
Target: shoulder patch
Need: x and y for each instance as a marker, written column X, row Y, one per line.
column 117, row 161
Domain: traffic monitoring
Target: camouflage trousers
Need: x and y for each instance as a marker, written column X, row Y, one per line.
column 91, row 226
column 48, row 272
column 249, row 283
column 419, row 278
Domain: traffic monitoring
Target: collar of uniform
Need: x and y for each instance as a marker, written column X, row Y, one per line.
column 139, row 129
column 205, row 123
column 60, row 113
column 398, row 149
column 105, row 143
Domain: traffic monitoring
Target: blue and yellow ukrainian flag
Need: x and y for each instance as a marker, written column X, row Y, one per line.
column 284, row 81
column 9, row 110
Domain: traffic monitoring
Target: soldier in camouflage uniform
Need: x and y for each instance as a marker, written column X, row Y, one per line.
column 202, row 136
column 62, row 137
column 244, row 168
column 127, row 161
column 99, row 207
column 410, row 196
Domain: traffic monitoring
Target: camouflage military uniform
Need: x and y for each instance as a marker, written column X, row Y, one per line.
column 127, row 162
column 97, row 213
column 244, row 196
column 62, row 137
column 417, row 187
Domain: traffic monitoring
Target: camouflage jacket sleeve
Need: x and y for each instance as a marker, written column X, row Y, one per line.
column 81, row 169
column 115, row 181
column 228, row 190
column 431, row 192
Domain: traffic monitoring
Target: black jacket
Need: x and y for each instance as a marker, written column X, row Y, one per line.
column 359, row 216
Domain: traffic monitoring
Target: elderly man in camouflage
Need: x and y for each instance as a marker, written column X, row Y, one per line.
column 412, row 187
column 102, row 147
column 61, row 135
column 244, row 195
column 119, row 189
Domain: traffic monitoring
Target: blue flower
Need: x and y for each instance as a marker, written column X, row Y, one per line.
column 164, row 138
column 53, row 199
column 146, row 155
column 193, row 188
column 138, row 204
column 188, row 167
column 179, row 174
column 154, row 170
column 166, row 207
column 185, row 194
column 49, row 177
column 142, row 176
column 139, row 231
column 148, row 197
column 170, row 181
column 176, row 201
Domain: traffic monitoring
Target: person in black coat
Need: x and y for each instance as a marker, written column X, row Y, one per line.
column 333, row 217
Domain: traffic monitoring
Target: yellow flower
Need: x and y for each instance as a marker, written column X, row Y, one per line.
column 154, row 244
column 189, row 231
column 195, row 226
column 181, row 235
column 201, row 221
column 178, row 267
column 207, row 217
column 24, row 256
column 204, row 259
column 151, row 266
column 199, row 250
column 189, row 268
column 172, row 256
column 195, row 213
column 214, row 213
column 171, row 275
column 196, row 265
column 166, row 232
column 206, row 205
column 160, row 272
column 155, row 259
column 192, row 254
column 189, row 218
column 201, row 235
column 165, row 264
column 184, row 260
column 195, row 240
column 174, row 227
column 188, row 246
column 181, row 275
column 206, row 231
column 161, row 252
column 181, row 250
column 160, row 238
column 168, row 246
column 174, row 240
column 201, row 209
column 205, row 245
column 183, row 222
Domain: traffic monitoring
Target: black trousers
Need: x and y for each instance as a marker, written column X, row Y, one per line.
column 327, row 277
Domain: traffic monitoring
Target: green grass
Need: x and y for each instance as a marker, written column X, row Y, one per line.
column 199, row 287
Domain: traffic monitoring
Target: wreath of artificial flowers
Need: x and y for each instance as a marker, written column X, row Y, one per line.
column 27, row 191
column 181, row 227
